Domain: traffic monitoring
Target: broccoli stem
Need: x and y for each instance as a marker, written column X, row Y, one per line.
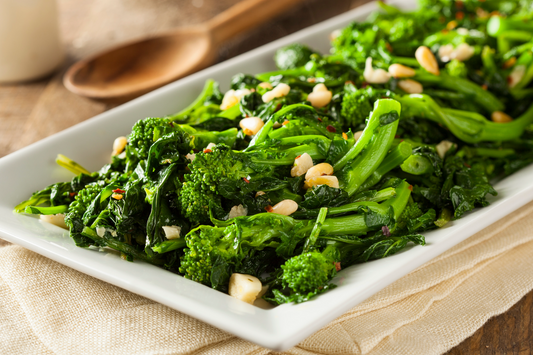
column 169, row 245
column 375, row 196
column 483, row 98
column 46, row 210
column 292, row 128
column 417, row 165
column 232, row 113
column 445, row 216
column 381, row 107
column 486, row 152
column 355, row 174
column 36, row 199
column 305, row 139
column 71, row 165
column 120, row 246
column 286, row 156
column 262, row 135
column 396, row 157
column 206, row 92
column 309, row 242
column 355, row 224
column 498, row 25
column 355, row 206
column 203, row 138
column 469, row 127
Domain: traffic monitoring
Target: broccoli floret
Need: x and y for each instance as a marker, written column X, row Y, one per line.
column 214, row 253
column 357, row 104
column 457, row 68
column 74, row 217
column 292, row 56
column 308, row 272
column 200, row 187
column 142, row 135
column 203, row 244
column 356, row 107
column 411, row 211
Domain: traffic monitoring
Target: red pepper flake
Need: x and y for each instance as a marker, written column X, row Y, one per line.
column 442, row 19
column 284, row 123
column 338, row 266
column 252, row 90
column 348, row 82
column 468, row 166
column 319, row 119
column 459, row 4
column 246, row 180
column 386, row 231
column 410, row 187
column 331, row 129
column 297, row 157
column 171, row 124
column 460, row 15
column 364, row 84
column 484, row 87
column 278, row 107
column 396, row 136
column 345, row 136
column 72, row 194
column 247, row 115
column 509, row 80
column 119, row 191
column 269, row 208
column 389, row 47
column 509, row 62
column 207, row 150
column 444, row 31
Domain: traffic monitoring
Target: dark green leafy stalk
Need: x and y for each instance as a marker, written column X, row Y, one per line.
column 310, row 242
column 120, row 246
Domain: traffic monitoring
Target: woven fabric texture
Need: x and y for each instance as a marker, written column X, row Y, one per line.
column 47, row 308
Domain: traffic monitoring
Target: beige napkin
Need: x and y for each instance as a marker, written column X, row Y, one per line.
column 47, row 308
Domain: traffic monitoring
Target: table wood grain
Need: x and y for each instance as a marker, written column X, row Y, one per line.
column 32, row 111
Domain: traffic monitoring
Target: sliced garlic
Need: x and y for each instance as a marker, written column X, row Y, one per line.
column 172, row 232
column 244, row 287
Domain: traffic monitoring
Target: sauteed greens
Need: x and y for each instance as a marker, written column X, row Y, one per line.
column 329, row 161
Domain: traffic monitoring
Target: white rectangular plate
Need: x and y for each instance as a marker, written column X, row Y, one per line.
column 89, row 143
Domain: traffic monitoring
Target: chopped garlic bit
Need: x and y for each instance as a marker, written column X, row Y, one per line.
column 516, row 75
column 280, row 90
column 210, row 146
column 302, row 164
column 172, row 232
column 55, row 219
column 375, row 76
column 232, row 97
column 190, row 156
column 244, row 287
column 237, row 211
column 443, row 147
column 463, row 52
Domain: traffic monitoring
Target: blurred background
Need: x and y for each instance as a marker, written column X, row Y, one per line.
column 34, row 110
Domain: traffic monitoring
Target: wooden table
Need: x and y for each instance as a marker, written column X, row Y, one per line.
column 32, row 111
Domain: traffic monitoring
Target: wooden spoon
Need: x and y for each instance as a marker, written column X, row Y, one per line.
column 139, row 66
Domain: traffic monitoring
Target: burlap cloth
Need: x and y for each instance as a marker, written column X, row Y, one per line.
column 47, row 308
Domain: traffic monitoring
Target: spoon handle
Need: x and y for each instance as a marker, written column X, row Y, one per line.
column 245, row 15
